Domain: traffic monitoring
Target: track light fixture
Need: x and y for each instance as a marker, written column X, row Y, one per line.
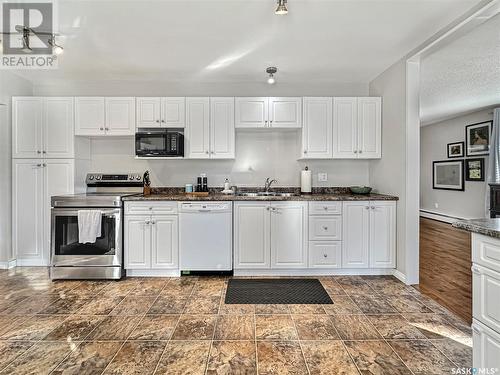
column 271, row 71
column 56, row 48
column 281, row 9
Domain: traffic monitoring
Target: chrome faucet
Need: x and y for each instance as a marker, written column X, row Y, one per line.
column 268, row 183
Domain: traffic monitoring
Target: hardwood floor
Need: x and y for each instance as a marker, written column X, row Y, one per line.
column 445, row 262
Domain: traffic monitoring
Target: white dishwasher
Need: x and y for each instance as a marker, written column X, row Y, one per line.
column 205, row 236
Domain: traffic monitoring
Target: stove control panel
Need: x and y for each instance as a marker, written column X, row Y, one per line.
column 122, row 179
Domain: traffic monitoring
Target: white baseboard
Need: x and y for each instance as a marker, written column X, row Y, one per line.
column 153, row 273
column 8, row 265
column 313, row 272
column 31, row 263
column 399, row 275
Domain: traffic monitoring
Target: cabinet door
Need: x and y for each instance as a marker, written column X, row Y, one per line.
column 289, row 235
column 382, row 234
column 485, row 346
column 197, row 133
column 325, row 254
column 173, row 112
column 369, row 128
column 137, row 241
column 27, row 211
column 345, row 128
column 26, row 127
column 89, row 116
column 285, row 112
column 251, row 112
column 165, row 242
column 148, row 112
column 252, row 235
column 317, row 128
column 120, row 116
column 485, row 292
column 222, row 128
column 58, row 179
column 356, row 234
column 58, row 128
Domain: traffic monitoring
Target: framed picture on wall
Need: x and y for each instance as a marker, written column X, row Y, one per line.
column 474, row 169
column 448, row 175
column 477, row 138
column 456, row 150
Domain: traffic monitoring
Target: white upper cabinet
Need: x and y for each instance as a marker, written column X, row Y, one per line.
column 345, row 128
column 222, row 137
column 197, row 133
column 42, row 127
column 120, row 116
column 99, row 116
column 285, row 112
column 251, row 112
column 357, row 128
column 148, row 112
column 369, row 128
column 317, row 128
column 167, row 112
column 173, row 112
column 263, row 112
column 89, row 116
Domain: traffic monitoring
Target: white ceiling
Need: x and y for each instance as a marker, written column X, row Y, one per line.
column 235, row 40
column 463, row 76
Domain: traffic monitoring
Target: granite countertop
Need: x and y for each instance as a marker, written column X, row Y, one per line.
column 319, row 194
column 488, row 227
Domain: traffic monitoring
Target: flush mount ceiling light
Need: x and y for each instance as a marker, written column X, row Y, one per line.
column 281, row 9
column 56, row 48
column 271, row 71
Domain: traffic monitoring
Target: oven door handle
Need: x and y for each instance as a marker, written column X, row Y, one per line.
column 111, row 213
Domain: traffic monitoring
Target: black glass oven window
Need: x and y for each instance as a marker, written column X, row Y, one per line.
column 66, row 237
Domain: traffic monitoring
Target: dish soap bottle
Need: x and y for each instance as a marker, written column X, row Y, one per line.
column 227, row 185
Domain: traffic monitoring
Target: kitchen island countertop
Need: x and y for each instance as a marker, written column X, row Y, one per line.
column 487, row 227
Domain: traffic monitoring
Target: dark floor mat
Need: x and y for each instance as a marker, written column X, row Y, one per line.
column 276, row 291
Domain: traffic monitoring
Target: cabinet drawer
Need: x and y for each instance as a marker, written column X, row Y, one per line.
column 325, row 208
column 325, row 228
column 325, row 254
column 485, row 293
column 485, row 347
column 486, row 251
column 151, row 207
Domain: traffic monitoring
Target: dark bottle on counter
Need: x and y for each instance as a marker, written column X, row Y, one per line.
column 204, row 182
column 199, row 184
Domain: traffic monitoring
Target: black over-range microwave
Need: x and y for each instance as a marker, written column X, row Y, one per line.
column 159, row 142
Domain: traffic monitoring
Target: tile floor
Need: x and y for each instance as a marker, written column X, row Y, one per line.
column 376, row 325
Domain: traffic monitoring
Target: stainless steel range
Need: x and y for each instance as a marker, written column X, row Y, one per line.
column 102, row 259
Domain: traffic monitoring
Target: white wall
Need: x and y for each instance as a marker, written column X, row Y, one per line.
column 259, row 154
column 433, row 140
column 388, row 174
column 10, row 85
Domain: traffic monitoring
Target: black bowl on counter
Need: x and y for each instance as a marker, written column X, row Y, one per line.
column 360, row 189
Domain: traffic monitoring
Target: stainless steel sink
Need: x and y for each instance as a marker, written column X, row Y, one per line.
column 266, row 194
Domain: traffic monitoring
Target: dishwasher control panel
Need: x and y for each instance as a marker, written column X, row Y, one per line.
column 205, row 206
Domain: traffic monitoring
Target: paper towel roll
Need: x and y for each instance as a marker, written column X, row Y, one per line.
column 306, row 181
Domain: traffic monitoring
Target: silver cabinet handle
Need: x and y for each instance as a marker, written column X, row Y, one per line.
column 305, row 151
column 38, row 165
column 355, row 151
column 107, row 128
column 325, row 208
column 360, row 151
column 268, row 208
column 325, row 228
column 150, row 208
column 213, row 152
column 146, row 222
column 39, row 152
column 325, row 255
column 157, row 121
column 475, row 270
column 162, row 120
column 44, row 152
column 153, row 222
column 373, row 207
column 367, row 207
column 44, row 165
column 206, row 152
column 101, row 128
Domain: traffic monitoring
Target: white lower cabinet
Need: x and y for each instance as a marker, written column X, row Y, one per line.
column 325, row 254
column 485, row 347
column 369, row 234
column 270, row 235
column 151, row 242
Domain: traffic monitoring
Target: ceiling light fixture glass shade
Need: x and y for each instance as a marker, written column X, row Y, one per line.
column 281, row 9
column 271, row 71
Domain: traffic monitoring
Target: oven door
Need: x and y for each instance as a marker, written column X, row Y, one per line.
column 67, row 251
